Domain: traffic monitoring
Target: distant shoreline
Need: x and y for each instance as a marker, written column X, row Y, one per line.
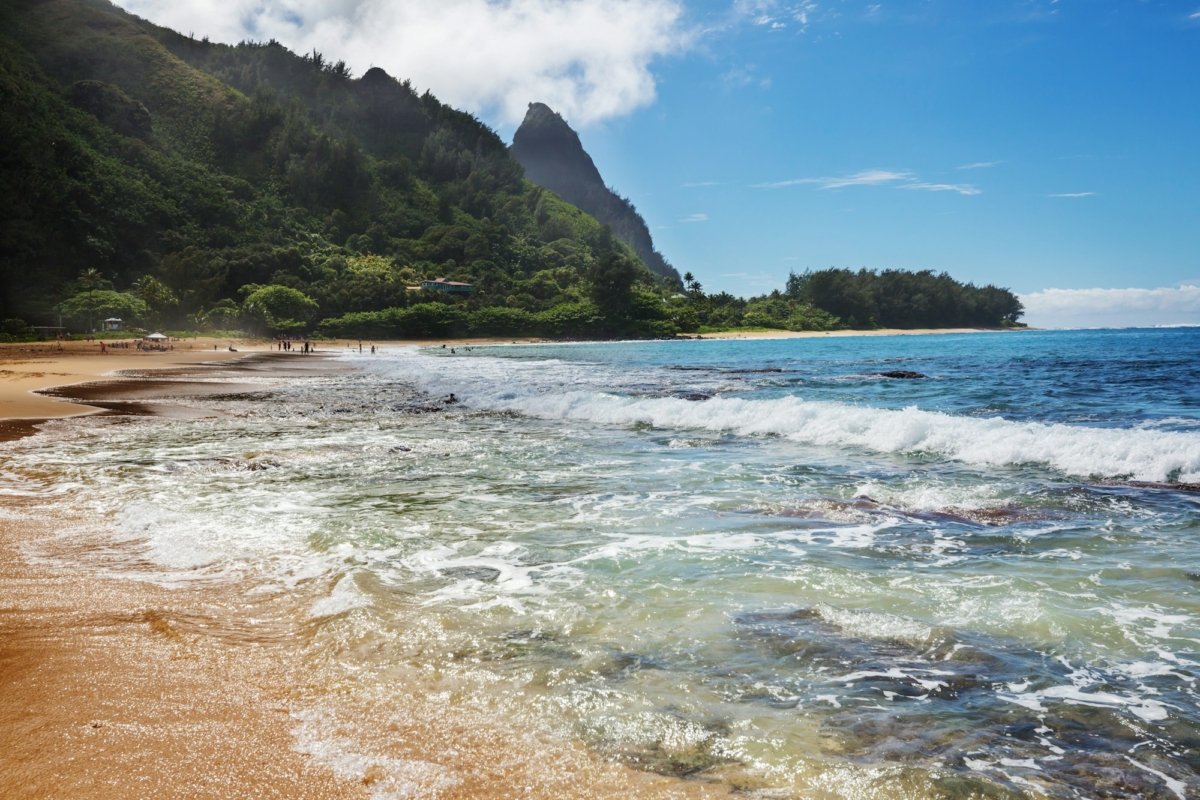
column 28, row 369
column 748, row 335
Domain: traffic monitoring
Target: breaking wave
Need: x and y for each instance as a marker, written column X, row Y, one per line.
column 556, row 391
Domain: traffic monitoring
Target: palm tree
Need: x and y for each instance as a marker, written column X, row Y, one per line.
column 91, row 278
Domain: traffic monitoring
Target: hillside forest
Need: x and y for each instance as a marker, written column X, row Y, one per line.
column 186, row 185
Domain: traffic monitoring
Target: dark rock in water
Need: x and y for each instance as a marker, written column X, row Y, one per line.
column 257, row 463
column 531, row 635
column 764, row 370
column 632, row 662
column 400, row 449
column 484, row 574
column 949, row 704
column 553, row 157
column 1171, row 487
column 673, row 764
column 691, row 395
column 901, row 374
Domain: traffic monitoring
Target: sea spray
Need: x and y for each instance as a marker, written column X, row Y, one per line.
column 546, row 389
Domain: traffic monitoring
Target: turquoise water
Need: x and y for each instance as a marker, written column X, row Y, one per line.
column 757, row 562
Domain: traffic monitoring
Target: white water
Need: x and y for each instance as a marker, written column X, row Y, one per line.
column 550, row 390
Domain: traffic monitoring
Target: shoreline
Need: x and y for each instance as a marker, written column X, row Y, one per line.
column 115, row 686
column 483, row 341
column 848, row 333
column 34, row 377
column 29, row 370
column 118, row 687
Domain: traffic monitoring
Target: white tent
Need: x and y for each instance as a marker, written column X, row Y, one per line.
column 158, row 337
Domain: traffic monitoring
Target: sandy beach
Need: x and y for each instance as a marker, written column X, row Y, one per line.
column 115, row 687
column 27, row 368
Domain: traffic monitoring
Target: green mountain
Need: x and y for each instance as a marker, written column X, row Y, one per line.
column 189, row 185
column 553, row 157
column 186, row 175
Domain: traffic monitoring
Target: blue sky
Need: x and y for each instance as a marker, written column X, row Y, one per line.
column 1036, row 144
column 1095, row 99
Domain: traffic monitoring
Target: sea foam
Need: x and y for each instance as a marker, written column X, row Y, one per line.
column 556, row 391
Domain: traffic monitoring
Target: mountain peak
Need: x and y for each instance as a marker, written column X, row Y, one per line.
column 554, row 158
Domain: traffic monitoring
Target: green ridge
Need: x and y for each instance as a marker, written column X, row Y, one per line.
column 169, row 180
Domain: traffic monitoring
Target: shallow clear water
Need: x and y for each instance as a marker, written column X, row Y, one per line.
column 752, row 561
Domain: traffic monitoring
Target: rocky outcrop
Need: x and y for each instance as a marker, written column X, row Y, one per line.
column 553, row 157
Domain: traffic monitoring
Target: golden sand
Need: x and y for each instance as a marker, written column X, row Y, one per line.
column 114, row 687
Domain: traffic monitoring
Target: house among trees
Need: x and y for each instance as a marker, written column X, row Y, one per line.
column 112, row 324
column 452, row 287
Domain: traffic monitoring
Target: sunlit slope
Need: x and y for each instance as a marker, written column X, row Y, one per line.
column 137, row 151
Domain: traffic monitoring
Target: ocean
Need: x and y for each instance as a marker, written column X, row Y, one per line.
column 760, row 564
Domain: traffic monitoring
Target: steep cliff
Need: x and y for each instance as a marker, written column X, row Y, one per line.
column 553, row 157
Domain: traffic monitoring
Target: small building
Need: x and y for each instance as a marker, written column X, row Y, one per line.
column 112, row 324
column 451, row 287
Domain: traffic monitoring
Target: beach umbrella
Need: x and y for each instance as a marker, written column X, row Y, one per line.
column 158, row 337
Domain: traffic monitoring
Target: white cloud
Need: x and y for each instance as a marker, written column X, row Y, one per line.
column 695, row 218
column 740, row 77
column 587, row 59
column 700, row 183
column 875, row 177
column 1091, row 308
column 1073, row 194
column 867, row 177
column 961, row 188
column 981, row 165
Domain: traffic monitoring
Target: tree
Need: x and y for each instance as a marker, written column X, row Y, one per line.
column 87, row 307
column 612, row 279
column 194, row 276
column 159, row 300
column 91, row 278
column 281, row 308
column 223, row 316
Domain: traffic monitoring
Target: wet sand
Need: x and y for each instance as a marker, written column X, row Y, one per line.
column 103, row 694
column 114, row 687
column 29, row 368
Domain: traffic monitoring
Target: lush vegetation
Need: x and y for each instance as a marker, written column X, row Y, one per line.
column 831, row 299
column 181, row 184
